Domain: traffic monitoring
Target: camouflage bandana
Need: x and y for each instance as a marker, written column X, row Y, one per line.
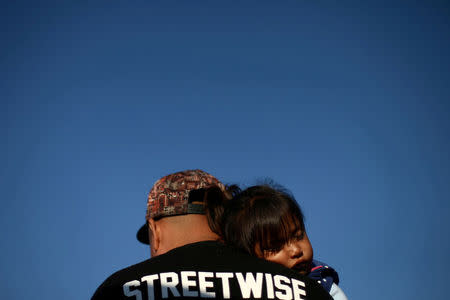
column 169, row 196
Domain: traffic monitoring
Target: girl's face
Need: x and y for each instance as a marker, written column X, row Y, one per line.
column 297, row 254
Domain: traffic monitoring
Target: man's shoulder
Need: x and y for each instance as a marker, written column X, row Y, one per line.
column 152, row 264
column 117, row 278
column 130, row 271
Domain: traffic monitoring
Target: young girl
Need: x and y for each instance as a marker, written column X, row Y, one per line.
column 266, row 221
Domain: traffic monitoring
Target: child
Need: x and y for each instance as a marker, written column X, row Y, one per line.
column 266, row 221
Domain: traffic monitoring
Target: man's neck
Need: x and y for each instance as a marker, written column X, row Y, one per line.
column 182, row 230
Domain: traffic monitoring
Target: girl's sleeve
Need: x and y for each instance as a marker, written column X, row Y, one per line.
column 337, row 293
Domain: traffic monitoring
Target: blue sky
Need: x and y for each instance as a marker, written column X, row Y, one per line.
column 346, row 104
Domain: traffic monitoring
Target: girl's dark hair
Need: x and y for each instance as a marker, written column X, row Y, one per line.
column 263, row 216
column 215, row 200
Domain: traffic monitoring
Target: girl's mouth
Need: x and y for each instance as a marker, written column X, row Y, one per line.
column 303, row 267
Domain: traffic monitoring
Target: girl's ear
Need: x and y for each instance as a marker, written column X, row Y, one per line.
column 154, row 237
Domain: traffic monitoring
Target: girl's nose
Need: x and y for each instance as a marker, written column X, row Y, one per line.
column 296, row 250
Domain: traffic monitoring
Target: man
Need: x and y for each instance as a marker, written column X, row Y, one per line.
column 188, row 261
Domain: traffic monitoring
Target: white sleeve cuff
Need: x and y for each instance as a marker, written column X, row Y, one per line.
column 337, row 293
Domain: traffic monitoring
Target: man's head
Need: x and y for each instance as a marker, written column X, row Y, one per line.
column 176, row 211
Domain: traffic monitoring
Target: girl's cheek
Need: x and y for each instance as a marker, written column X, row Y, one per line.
column 279, row 258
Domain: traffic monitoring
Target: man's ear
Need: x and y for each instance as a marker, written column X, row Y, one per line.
column 154, row 237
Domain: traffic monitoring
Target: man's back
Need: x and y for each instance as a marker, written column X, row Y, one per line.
column 208, row 270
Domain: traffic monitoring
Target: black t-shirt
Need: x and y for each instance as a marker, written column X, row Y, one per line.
column 208, row 270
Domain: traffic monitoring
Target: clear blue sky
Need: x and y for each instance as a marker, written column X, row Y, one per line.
column 346, row 104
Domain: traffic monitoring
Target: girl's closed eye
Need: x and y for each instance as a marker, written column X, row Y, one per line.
column 268, row 252
column 298, row 236
column 273, row 247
